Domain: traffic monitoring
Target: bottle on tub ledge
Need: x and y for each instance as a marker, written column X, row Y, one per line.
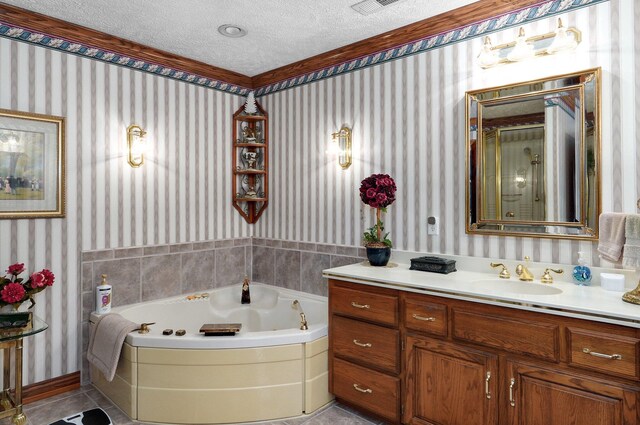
column 246, row 295
column 103, row 296
column 582, row 272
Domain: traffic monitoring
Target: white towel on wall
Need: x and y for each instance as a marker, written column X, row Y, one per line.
column 631, row 253
column 612, row 236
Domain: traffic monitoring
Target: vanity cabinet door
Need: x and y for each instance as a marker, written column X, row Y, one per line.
column 449, row 384
column 538, row 396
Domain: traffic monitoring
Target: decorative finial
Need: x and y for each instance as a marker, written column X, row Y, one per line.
column 250, row 107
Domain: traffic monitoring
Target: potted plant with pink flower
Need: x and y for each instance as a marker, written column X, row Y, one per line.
column 14, row 290
column 378, row 191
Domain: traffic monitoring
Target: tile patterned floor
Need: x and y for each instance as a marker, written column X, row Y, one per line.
column 46, row 411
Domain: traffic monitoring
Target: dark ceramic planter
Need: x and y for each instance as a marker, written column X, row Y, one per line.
column 378, row 256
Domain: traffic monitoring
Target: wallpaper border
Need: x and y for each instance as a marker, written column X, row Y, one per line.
column 498, row 23
column 57, row 43
column 488, row 26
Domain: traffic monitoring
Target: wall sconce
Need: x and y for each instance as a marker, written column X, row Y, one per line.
column 136, row 140
column 341, row 145
column 562, row 39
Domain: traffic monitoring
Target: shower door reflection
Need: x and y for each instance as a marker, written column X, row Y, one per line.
column 514, row 174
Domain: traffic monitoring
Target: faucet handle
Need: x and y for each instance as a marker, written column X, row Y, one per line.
column 144, row 327
column 504, row 273
column 546, row 276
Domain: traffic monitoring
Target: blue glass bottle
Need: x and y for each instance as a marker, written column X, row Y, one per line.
column 582, row 272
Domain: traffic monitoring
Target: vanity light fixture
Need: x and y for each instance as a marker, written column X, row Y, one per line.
column 136, row 141
column 523, row 47
column 522, row 50
column 341, row 146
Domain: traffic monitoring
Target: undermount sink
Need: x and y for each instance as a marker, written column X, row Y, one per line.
column 510, row 286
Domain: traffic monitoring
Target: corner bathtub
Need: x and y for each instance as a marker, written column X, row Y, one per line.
column 269, row 370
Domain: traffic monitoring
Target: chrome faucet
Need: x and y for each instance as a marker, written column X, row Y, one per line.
column 523, row 272
column 303, row 319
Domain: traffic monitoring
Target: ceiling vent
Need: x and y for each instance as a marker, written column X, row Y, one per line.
column 368, row 7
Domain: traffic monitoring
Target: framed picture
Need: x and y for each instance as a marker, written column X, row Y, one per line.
column 32, row 181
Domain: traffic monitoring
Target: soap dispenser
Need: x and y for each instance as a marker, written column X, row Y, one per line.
column 582, row 272
column 103, row 296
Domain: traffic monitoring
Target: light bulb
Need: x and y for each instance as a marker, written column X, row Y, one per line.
column 522, row 50
column 487, row 57
column 561, row 41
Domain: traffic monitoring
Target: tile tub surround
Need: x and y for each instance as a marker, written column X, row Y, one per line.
column 299, row 265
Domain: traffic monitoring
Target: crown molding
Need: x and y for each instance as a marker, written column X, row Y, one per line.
column 32, row 27
column 476, row 19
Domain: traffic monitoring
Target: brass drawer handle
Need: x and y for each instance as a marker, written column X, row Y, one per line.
column 486, row 385
column 512, row 401
column 424, row 319
column 362, row 344
column 356, row 305
column 362, row 390
column 602, row 356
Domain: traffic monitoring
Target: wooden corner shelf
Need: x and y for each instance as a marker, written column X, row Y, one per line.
column 250, row 159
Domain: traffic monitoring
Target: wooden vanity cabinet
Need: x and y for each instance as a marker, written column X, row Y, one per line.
column 364, row 348
column 449, row 384
column 467, row 363
column 541, row 396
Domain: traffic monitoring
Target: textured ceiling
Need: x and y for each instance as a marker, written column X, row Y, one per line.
column 280, row 32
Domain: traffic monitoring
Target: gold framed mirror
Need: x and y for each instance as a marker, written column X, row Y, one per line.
column 533, row 158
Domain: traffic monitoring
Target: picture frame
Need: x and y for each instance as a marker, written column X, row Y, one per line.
column 32, row 172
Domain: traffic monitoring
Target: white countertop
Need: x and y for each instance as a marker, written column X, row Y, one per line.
column 585, row 302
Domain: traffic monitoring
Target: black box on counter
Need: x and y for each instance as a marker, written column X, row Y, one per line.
column 433, row 264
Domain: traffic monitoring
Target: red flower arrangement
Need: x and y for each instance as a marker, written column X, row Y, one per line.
column 15, row 290
column 378, row 191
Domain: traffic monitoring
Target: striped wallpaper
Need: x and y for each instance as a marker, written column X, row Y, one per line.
column 181, row 194
column 407, row 118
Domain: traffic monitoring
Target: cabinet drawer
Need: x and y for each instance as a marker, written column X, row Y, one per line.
column 366, row 305
column 507, row 333
column 425, row 316
column 365, row 343
column 371, row 390
column 603, row 352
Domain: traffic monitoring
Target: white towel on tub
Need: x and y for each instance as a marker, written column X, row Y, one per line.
column 105, row 342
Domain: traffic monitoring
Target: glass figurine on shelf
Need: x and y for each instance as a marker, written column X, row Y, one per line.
column 251, row 192
column 248, row 134
column 250, row 189
column 582, row 272
column 250, row 159
column 258, row 133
